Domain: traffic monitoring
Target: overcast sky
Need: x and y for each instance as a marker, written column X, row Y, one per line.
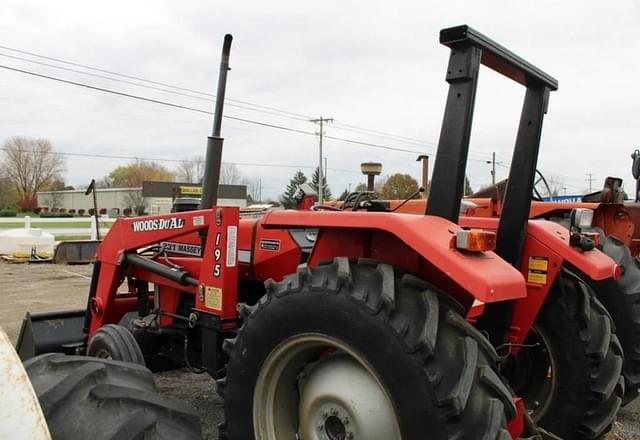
column 370, row 64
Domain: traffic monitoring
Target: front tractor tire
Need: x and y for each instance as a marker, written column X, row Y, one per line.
column 98, row 399
column 352, row 351
column 115, row 342
column 569, row 368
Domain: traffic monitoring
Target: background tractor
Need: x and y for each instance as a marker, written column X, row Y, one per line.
column 368, row 325
column 606, row 222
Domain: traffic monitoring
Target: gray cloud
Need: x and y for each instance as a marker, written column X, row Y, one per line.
column 372, row 64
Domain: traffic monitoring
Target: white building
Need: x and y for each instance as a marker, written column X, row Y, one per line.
column 156, row 197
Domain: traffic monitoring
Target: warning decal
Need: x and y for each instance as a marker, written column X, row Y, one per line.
column 213, row 298
column 538, row 268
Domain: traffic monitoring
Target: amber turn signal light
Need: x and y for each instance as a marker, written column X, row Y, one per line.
column 475, row 240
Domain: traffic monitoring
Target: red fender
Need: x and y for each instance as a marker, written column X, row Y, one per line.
column 594, row 263
column 484, row 275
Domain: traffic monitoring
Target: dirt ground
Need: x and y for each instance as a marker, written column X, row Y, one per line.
column 47, row 287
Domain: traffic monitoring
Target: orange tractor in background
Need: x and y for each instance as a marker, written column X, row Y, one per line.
column 610, row 223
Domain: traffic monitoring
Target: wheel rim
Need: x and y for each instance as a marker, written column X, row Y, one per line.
column 533, row 374
column 102, row 354
column 315, row 387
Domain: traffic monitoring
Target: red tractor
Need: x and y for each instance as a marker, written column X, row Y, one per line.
column 366, row 325
column 607, row 220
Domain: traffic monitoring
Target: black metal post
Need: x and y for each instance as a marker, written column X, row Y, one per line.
column 514, row 219
column 92, row 188
column 213, row 160
column 447, row 183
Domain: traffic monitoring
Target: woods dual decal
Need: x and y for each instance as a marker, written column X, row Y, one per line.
column 157, row 224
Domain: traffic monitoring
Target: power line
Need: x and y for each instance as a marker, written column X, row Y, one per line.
column 157, row 159
column 294, row 115
column 173, row 92
column 137, row 78
column 382, row 134
column 184, row 107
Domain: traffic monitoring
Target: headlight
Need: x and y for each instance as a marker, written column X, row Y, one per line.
column 581, row 218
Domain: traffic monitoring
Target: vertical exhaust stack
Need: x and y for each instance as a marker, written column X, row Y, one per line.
column 213, row 159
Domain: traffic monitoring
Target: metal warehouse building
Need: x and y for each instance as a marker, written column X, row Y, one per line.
column 156, row 196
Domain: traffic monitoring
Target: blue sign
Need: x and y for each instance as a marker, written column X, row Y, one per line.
column 564, row 199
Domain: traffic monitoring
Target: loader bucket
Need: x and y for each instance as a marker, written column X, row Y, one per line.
column 76, row 252
column 51, row 332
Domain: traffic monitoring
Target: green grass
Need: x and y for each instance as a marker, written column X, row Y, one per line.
column 36, row 224
column 71, row 237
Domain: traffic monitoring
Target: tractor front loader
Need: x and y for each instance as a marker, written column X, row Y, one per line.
column 356, row 325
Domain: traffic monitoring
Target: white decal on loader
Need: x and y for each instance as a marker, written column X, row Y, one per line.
column 181, row 248
column 158, row 224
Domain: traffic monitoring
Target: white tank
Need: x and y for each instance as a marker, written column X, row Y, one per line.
column 21, row 241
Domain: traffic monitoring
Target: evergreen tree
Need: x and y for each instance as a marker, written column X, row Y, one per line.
column 344, row 194
column 326, row 191
column 287, row 198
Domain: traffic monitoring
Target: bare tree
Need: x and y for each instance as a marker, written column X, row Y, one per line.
column 230, row 174
column 254, row 189
column 556, row 185
column 54, row 200
column 104, row 182
column 31, row 165
column 191, row 170
column 135, row 201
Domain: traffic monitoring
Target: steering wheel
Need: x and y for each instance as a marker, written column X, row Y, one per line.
column 540, row 181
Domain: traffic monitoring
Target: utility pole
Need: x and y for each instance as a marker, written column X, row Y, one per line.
column 590, row 179
column 493, row 168
column 326, row 173
column 425, row 174
column 320, row 121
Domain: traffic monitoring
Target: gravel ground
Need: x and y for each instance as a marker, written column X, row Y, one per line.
column 46, row 287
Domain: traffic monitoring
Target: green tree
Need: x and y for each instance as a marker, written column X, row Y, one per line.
column 133, row 174
column 8, row 194
column 344, row 194
column 399, row 186
column 360, row 187
column 286, row 199
column 326, row 191
column 467, row 187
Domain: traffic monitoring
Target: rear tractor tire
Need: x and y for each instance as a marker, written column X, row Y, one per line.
column 115, row 342
column 89, row 398
column 569, row 369
column 622, row 299
column 352, row 351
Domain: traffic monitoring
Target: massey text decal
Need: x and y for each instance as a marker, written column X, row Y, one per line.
column 181, row 248
column 157, row 224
